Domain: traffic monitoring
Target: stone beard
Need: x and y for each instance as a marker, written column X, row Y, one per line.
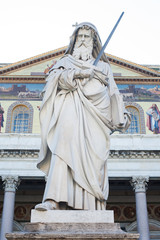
column 76, row 118
column 83, row 51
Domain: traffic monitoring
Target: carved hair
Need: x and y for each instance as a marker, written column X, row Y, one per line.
column 93, row 33
column 97, row 45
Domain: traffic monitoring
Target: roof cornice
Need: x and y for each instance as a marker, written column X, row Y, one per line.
column 60, row 51
column 41, row 79
column 22, row 78
column 133, row 66
column 32, row 60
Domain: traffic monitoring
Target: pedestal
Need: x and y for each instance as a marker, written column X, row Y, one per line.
column 72, row 216
column 59, row 224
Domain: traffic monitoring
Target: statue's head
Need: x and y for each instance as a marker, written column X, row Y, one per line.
column 85, row 42
column 83, row 46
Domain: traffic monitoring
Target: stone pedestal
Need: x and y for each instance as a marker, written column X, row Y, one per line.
column 72, row 216
column 72, row 225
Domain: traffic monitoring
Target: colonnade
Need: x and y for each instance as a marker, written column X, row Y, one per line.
column 139, row 184
column 10, row 185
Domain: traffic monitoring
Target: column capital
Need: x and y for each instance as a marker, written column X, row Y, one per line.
column 10, row 182
column 139, row 183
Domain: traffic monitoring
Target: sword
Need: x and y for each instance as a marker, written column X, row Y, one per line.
column 107, row 41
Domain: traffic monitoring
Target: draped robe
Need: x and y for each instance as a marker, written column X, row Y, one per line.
column 76, row 119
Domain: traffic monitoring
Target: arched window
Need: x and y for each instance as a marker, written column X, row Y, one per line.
column 19, row 118
column 154, row 227
column 135, row 123
column 137, row 116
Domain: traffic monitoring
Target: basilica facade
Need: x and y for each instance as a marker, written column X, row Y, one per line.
column 134, row 162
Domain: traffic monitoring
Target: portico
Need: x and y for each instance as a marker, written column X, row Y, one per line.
column 133, row 158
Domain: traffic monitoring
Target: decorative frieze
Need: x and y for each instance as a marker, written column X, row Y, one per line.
column 125, row 212
column 135, row 154
column 19, row 153
column 113, row 154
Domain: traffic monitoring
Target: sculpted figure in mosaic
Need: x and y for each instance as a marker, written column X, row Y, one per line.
column 1, row 117
column 153, row 119
column 81, row 107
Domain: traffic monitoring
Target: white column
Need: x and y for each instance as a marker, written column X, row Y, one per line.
column 10, row 185
column 139, row 184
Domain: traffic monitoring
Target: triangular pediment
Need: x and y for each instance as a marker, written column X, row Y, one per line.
column 36, row 66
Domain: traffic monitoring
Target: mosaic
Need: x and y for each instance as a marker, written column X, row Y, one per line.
column 139, row 92
column 32, row 91
column 20, row 91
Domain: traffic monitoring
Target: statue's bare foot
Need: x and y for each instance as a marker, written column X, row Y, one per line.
column 47, row 205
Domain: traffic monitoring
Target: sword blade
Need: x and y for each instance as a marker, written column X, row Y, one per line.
column 107, row 41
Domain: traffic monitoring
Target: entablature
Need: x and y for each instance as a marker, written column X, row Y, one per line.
column 129, row 155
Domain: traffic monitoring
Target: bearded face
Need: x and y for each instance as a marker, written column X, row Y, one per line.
column 83, row 45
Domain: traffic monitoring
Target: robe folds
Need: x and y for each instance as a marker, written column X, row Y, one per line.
column 76, row 119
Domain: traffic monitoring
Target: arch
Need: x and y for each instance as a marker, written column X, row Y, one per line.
column 154, row 228
column 138, row 124
column 19, row 117
column 153, row 224
column 16, row 226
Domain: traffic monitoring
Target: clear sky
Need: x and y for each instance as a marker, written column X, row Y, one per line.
column 32, row 27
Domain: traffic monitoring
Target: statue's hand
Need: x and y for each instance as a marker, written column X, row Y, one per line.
column 87, row 73
column 84, row 73
column 97, row 72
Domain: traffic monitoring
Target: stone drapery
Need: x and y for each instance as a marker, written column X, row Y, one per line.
column 77, row 117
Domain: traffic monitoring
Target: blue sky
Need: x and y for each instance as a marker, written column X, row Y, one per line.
column 32, row 27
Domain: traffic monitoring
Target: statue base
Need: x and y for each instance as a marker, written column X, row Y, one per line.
column 72, row 216
column 59, row 224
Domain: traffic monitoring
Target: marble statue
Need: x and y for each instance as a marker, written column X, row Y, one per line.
column 81, row 107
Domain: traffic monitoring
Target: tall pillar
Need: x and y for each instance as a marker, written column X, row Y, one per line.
column 10, row 185
column 139, row 184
